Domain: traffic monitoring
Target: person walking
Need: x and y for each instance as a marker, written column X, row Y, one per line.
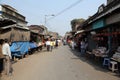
column 48, row 44
column 72, row 44
column 82, row 45
column 51, row 44
column 86, row 46
column 7, row 54
column 56, row 43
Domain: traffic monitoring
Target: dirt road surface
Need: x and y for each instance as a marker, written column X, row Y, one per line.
column 60, row 64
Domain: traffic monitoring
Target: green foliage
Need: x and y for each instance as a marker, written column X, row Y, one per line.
column 75, row 22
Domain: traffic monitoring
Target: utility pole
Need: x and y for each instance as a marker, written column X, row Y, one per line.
column 46, row 18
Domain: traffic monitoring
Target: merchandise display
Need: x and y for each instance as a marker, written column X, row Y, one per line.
column 116, row 56
column 100, row 51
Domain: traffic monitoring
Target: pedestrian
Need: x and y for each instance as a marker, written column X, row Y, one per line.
column 64, row 42
column 48, row 44
column 82, row 45
column 7, row 54
column 39, row 45
column 51, row 44
column 56, row 43
column 72, row 44
column 1, row 57
column 86, row 46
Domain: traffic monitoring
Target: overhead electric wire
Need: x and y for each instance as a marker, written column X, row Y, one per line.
column 64, row 10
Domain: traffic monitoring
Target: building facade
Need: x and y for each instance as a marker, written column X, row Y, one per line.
column 103, row 27
column 9, row 12
column 13, row 25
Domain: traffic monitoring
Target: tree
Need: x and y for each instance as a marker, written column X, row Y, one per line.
column 76, row 22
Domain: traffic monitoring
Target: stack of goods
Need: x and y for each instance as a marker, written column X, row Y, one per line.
column 99, row 51
column 116, row 56
column 118, row 49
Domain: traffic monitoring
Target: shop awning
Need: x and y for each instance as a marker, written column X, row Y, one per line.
column 6, row 22
column 15, row 26
column 36, row 32
column 20, row 27
column 107, row 12
column 6, row 27
column 78, row 32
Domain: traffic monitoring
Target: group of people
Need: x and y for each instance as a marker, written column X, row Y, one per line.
column 5, row 57
column 51, row 43
column 83, row 46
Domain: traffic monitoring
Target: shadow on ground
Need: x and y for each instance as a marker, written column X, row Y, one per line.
column 95, row 63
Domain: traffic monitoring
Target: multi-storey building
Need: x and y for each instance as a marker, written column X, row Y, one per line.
column 38, row 32
column 9, row 12
column 13, row 25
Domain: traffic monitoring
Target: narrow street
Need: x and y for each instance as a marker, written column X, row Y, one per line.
column 60, row 64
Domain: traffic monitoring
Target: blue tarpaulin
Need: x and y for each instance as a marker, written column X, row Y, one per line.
column 32, row 45
column 19, row 48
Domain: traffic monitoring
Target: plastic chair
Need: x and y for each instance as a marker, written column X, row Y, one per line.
column 106, row 62
column 113, row 66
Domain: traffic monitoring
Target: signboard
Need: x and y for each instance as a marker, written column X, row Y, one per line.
column 98, row 24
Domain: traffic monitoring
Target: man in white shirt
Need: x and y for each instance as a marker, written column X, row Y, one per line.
column 48, row 44
column 7, row 53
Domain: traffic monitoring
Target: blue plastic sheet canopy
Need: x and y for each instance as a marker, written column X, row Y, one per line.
column 19, row 49
column 32, row 45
